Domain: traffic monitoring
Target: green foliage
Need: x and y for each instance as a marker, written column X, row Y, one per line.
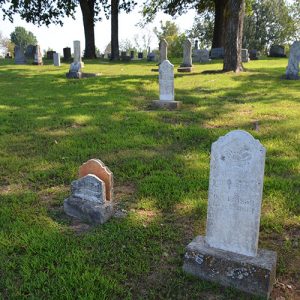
column 21, row 37
column 170, row 32
column 270, row 22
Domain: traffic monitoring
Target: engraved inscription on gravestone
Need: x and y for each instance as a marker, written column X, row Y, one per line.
column 166, row 81
column 235, row 193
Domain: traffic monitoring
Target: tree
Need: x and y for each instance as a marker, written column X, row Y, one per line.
column 271, row 21
column 46, row 12
column 234, row 20
column 21, row 37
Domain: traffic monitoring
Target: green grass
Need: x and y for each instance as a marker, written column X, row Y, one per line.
column 160, row 159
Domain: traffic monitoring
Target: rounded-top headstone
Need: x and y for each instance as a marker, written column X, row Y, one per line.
column 235, row 193
column 98, row 168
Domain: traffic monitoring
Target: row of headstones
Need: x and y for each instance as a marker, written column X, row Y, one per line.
column 229, row 253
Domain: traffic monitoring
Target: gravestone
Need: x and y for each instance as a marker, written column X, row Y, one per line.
column 38, row 59
column 229, row 253
column 19, row 56
column 277, row 51
column 196, row 44
column 187, row 64
column 201, row 55
column 151, row 56
column 166, row 87
column 217, row 53
column 131, row 54
column 77, row 54
column 245, row 56
column 56, row 59
column 30, row 51
column 163, row 49
column 140, row 55
column 254, row 54
column 50, row 54
column 67, row 54
column 292, row 71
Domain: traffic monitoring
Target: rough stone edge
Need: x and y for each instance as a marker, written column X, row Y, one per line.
column 105, row 211
column 201, row 260
column 166, row 104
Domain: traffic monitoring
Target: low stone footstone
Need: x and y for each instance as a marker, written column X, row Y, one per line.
column 245, row 56
column 19, row 56
column 229, row 253
column 187, row 63
column 38, row 59
column 98, row 168
column 292, row 70
column 87, row 201
column 166, row 87
column 56, row 59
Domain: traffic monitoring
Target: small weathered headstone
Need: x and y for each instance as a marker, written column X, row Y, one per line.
column 217, row 53
column 56, row 59
column 50, row 54
column 30, row 51
column 98, row 168
column 277, row 51
column 163, row 49
column 140, row 55
column 229, row 253
column 245, row 56
column 38, row 59
column 187, row 64
column 87, row 200
column 19, row 56
column 201, row 55
column 292, row 70
column 254, row 54
column 166, row 86
column 75, row 71
column 67, row 54
column 151, row 56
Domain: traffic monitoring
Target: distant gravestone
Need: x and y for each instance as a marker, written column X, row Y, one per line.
column 131, row 54
column 56, row 59
column 67, row 54
column 19, row 56
column 187, row 63
column 50, row 54
column 151, row 56
column 8, row 55
column 254, row 54
column 30, row 51
column 245, row 56
column 140, row 55
column 166, row 86
column 163, row 49
column 76, row 66
column 292, row 71
column 38, row 59
column 229, row 253
column 201, row 55
column 217, row 53
column 277, row 51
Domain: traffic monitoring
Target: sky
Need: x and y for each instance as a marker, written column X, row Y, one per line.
column 56, row 37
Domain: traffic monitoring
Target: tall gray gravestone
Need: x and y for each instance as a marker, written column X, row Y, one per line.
column 77, row 65
column 56, row 59
column 229, row 253
column 19, row 56
column 77, row 53
column 166, row 86
column 187, row 63
column 38, row 59
column 292, row 70
column 163, row 49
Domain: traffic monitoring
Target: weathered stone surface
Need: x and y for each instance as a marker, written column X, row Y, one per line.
column 87, row 201
column 19, row 56
column 38, row 59
column 245, row 56
column 56, row 59
column 217, row 53
column 277, row 51
column 75, row 71
column 166, row 81
column 77, row 54
column 98, row 168
column 163, row 49
column 187, row 54
column 50, row 54
column 166, row 104
column 255, row 275
column 201, row 55
column 292, row 71
column 235, row 193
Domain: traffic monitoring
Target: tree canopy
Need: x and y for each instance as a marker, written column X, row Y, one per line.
column 21, row 37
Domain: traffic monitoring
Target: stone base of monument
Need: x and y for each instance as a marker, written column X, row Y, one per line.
column 254, row 275
column 88, row 211
column 74, row 75
column 166, row 104
column 185, row 69
column 292, row 77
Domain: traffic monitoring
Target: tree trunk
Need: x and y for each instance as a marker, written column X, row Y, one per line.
column 115, row 30
column 234, row 20
column 88, row 14
column 218, row 38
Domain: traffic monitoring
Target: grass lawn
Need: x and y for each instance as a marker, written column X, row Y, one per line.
column 160, row 159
